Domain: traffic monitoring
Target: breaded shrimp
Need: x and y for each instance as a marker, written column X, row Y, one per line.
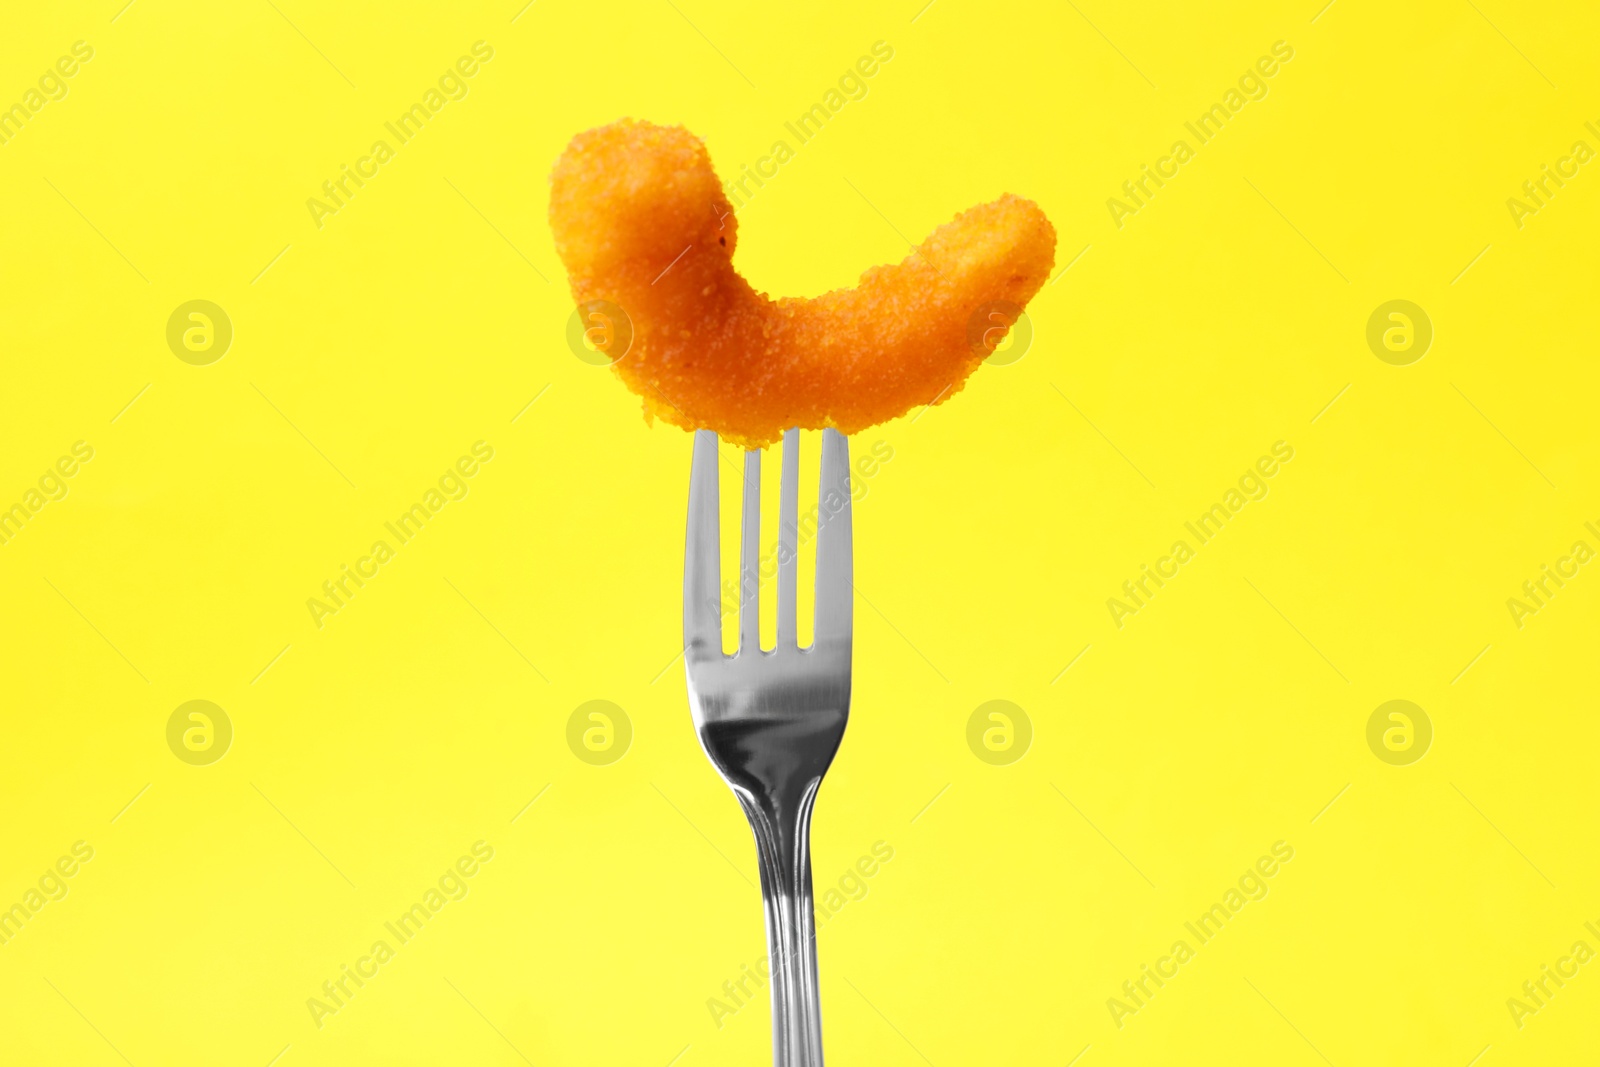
column 640, row 220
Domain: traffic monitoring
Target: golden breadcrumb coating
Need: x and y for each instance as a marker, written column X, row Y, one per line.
column 640, row 220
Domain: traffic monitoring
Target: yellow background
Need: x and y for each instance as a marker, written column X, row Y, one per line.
column 1225, row 716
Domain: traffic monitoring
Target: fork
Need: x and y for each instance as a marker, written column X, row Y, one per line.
column 771, row 721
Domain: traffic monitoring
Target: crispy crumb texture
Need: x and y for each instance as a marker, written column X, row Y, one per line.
column 640, row 220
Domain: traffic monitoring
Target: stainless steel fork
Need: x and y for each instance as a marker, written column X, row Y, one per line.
column 771, row 721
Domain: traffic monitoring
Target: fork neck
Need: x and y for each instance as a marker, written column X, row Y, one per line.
column 782, row 831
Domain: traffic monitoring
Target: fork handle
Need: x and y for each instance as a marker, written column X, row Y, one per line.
column 783, row 847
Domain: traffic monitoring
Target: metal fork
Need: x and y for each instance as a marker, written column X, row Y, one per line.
column 771, row 721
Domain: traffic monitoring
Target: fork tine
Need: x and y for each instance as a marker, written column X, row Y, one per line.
column 788, row 535
column 702, row 563
column 749, row 556
column 835, row 588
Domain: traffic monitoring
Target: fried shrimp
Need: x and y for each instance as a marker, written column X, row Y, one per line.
column 641, row 222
